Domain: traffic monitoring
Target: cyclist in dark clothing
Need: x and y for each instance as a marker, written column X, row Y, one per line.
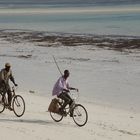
column 5, row 75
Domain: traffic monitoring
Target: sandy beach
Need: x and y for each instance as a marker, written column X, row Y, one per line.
column 107, row 78
column 104, row 123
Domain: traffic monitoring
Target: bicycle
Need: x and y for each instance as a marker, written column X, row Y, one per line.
column 18, row 103
column 79, row 113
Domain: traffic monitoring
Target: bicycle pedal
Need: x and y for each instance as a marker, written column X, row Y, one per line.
column 11, row 109
column 62, row 114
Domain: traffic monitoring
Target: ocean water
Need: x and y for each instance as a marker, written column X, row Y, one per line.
column 112, row 20
column 61, row 3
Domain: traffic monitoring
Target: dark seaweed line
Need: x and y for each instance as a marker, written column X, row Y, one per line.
column 46, row 39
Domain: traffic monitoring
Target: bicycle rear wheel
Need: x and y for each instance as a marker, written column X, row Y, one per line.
column 18, row 105
column 56, row 117
column 2, row 106
column 80, row 115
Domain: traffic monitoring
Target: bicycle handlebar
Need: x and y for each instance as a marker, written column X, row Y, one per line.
column 13, row 88
column 74, row 96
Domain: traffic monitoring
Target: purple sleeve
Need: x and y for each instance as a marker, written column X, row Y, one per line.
column 60, row 83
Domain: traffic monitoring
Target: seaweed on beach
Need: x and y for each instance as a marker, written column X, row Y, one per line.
column 19, row 56
column 118, row 43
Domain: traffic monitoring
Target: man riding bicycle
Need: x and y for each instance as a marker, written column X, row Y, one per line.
column 5, row 75
column 61, row 90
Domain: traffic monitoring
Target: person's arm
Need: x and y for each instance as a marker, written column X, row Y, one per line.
column 2, row 76
column 12, row 79
column 71, row 88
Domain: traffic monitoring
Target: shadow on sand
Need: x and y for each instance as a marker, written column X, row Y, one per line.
column 37, row 121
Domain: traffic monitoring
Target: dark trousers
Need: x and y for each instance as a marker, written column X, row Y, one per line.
column 6, row 89
column 9, row 97
column 67, row 99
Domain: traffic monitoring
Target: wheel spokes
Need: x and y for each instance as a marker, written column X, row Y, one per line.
column 80, row 115
column 18, row 105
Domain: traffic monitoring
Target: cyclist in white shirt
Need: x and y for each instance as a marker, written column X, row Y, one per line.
column 61, row 90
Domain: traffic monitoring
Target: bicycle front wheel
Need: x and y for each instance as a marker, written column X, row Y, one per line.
column 2, row 106
column 80, row 115
column 18, row 105
column 56, row 117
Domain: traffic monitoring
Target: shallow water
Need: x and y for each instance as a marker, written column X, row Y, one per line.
column 93, row 21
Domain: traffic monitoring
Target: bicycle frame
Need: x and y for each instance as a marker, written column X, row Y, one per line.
column 6, row 98
column 68, row 108
column 17, row 102
column 75, row 110
column 13, row 91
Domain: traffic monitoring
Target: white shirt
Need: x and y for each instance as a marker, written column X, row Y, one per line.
column 61, row 84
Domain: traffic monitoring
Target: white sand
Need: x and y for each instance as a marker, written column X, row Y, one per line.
column 110, row 77
column 104, row 123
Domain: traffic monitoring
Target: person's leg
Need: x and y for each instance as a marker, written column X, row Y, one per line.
column 70, row 103
column 9, row 93
column 70, row 99
column 66, row 99
column 9, row 97
column 3, row 96
column 3, row 91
